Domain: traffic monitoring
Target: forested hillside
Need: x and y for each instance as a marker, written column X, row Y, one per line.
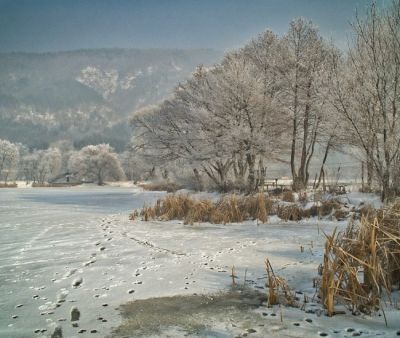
column 86, row 95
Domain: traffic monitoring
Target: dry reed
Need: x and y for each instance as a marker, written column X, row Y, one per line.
column 363, row 262
column 8, row 185
column 291, row 212
column 228, row 209
column 163, row 186
column 288, row 196
column 279, row 291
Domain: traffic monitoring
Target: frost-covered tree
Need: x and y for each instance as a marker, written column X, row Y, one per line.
column 9, row 158
column 367, row 88
column 30, row 165
column 66, row 148
column 39, row 166
column 96, row 162
column 49, row 164
column 134, row 166
column 304, row 64
column 265, row 102
column 217, row 120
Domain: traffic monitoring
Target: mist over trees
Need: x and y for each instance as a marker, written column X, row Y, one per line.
column 282, row 99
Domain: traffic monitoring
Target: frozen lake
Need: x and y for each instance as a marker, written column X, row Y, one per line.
column 75, row 247
column 44, row 235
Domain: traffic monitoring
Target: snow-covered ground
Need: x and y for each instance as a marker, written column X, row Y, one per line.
column 53, row 239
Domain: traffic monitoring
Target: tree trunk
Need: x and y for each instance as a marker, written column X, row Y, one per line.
column 221, row 169
column 386, row 191
column 198, row 181
column 302, row 175
column 370, row 170
column 251, row 179
column 240, row 169
column 323, row 164
column 261, row 175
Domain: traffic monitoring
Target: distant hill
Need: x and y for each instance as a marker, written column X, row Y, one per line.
column 86, row 95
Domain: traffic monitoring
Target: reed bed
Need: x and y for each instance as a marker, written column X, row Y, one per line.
column 295, row 212
column 362, row 264
column 232, row 209
column 8, row 185
column 228, row 209
column 163, row 186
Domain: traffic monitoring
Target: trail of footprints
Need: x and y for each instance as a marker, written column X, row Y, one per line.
column 207, row 262
column 49, row 307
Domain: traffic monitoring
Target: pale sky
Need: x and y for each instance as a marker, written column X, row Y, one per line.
column 54, row 25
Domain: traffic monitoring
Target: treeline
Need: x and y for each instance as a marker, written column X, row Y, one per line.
column 291, row 98
column 92, row 163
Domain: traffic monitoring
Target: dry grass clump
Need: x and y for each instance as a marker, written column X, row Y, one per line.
column 303, row 198
column 362, row 262
column 40, row 185
column 163, row 186
column 228, row 209
column 328, row 206
column 288, row 196
column 291, row 212
column 200, row 211
column 259, row 207
column 311, row 212
column 340, row 214
column 8, row 185
column 52, row 185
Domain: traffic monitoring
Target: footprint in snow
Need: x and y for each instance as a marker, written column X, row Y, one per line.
column 77, row 282
column 70, row 273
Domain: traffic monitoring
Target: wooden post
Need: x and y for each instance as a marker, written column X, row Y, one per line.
column 362, row 176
